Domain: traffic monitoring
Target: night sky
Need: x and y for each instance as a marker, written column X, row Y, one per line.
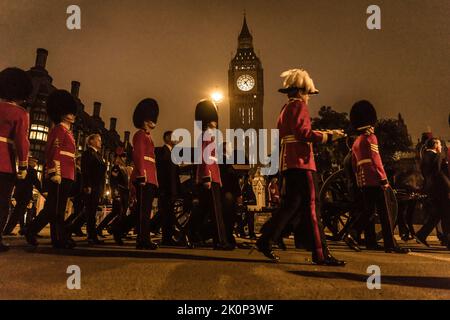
column 179, row 51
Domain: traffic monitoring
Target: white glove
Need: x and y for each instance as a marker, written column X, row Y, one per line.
column 337, row 134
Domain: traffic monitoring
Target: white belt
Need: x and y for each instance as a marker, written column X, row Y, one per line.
column 149, row 159
column 364, row 161
column 6, row 140
column 66, row 153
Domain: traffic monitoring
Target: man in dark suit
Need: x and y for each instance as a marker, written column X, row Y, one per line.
column 169, row 187
column 23, row 195
column 437, row 187
column 93, row 169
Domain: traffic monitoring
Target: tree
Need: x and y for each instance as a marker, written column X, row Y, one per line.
column 328, row 156
column 392, row 137
column 330, row 119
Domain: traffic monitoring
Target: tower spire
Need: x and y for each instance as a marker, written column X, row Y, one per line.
column 245, row 37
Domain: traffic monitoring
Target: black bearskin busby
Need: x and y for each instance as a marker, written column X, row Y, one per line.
column 206, row 111
column 59, row 104
column 146, row 110
column 362, row 115
column 15, row 84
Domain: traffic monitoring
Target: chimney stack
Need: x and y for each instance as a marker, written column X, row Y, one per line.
column 41, row 58
column 112, row 124
column 97, row 107
column 75, row 90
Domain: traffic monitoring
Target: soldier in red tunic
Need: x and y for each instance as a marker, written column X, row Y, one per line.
column 208, row 174
column 144, row 176
column 15, row 87
column 298, row 168
column 370, row 175
column 59, row 170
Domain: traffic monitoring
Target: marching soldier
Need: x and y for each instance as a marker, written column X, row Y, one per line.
column 208, row 174
column 370, row 175
column 15, row 87
column 59, row 171
column 144, row 176
column 298, row 167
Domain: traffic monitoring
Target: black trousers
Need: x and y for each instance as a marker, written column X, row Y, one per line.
column 17, row 215
column 91, row 204
column 54, row 212
column 145, row 195
column 438, row 210
column 406, row 211
column 166, row 204
column 119, row 213
column 299, row 204
column 374, row 201
column 229, row 211
column 76, row 220
column 6, row 187
column 211, row 206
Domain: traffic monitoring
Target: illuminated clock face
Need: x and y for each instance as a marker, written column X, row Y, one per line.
column 245, row 82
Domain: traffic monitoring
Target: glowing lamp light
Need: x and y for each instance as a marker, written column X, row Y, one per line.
column 217, row 96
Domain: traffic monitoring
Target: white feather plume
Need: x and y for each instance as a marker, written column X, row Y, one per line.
column 298, row 78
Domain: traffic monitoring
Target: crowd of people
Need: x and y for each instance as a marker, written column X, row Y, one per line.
column 216, row 212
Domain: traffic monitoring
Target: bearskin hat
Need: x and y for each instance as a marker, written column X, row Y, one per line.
column 297, row 80
column 15, row 84
column 362, row 115
column 146, row 110
column 206, row 111
column 59, row 104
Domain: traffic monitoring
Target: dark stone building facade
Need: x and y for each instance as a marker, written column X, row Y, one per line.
column 85, row 124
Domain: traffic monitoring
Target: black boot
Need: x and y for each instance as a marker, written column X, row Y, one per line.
column 150, row 245
column 397, row 249
column 266, row 249
column 3, row 246
column 351, row 243
column 118, row 238
column 31, row 239
column 329, row 260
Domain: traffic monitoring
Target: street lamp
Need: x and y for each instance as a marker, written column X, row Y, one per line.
column 217, row 97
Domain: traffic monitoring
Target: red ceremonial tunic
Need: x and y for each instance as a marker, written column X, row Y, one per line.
column 60, row 153
column 144, row 158
column 14, row 144
column 294, row 125
column 366, row 162
column 208, row 170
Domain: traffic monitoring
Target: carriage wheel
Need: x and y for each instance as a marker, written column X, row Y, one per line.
column 335, row 204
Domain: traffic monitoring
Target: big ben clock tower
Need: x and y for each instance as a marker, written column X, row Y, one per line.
column 245, row 85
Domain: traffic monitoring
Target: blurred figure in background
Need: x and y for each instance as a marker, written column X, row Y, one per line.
column 23, row 194
column 437, row 187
